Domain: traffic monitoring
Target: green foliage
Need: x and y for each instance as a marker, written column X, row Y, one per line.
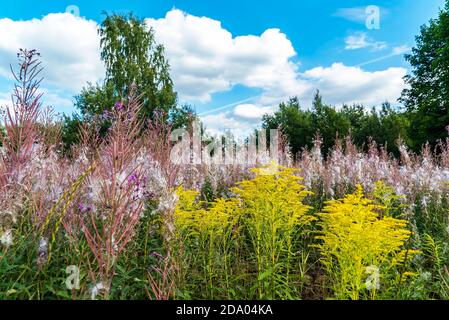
column 328, row 122
column 433, row 279
column 295, row 123
column 133, row 61
column 70, row 131
column 385, row 126
column 181, row 116
column 132, row 58
column 427, row 98
column 430, row 216
column 2, row 134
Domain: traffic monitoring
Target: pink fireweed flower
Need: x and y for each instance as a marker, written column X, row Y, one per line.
column 83, row 208
column 106, row 115
column 134, row 179
column 119, row 106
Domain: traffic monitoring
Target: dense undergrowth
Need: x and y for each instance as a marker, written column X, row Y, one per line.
column 118, row 219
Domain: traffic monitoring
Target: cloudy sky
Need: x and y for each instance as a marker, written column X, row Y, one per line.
column 232, row 60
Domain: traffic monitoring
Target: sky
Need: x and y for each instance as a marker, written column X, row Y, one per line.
column 233, row 61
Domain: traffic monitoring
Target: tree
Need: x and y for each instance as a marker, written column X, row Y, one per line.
column 328, row 122
column 132, row 58
column 2, row 135
column 427, row 98
column 70, row 131
column 181, row 117
column 385, row 126
column 295, row 123
column 302, row 126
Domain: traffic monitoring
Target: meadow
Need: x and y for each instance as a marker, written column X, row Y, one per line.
column 116, row 218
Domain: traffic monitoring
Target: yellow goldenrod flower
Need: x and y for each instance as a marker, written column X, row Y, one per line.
column 354, row 237
column 273, row 215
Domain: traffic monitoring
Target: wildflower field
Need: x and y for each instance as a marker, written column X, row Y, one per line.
column 142, row 194
column 117, row 218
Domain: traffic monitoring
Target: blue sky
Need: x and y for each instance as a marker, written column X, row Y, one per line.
column 233, row 60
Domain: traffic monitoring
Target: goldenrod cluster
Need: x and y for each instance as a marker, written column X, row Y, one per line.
column 266, row 214
column 275, row 197
column 355, row 238
column 192, row 214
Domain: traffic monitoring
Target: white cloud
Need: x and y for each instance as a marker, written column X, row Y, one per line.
column 356, row 14
column 55, row 100
column 5, row 98
column 49, row 98
column 69, row 48
column 397, row 51
column 205, row 58
column 218, row 124
column 360, row 40
column 251, row 111
column 341, row 84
